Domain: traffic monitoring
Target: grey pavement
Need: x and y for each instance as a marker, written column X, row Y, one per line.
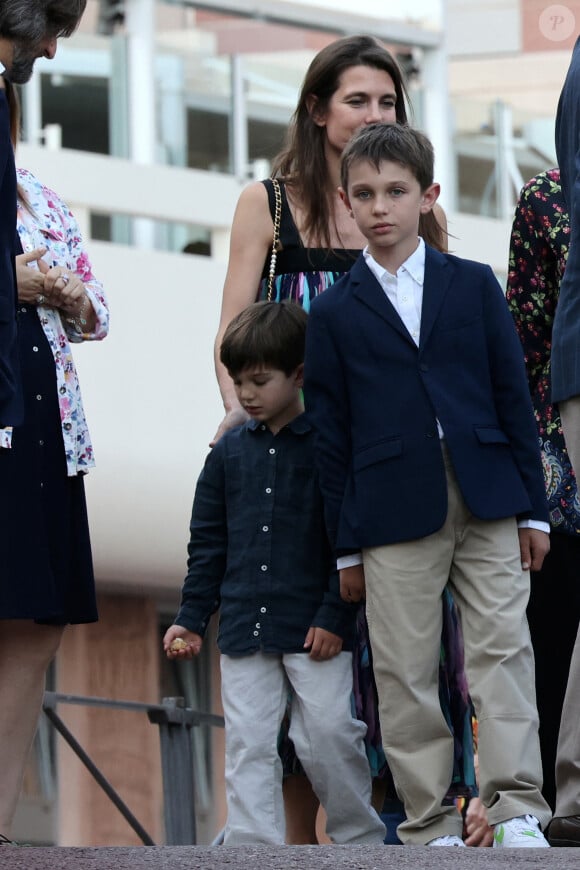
column 285, row 858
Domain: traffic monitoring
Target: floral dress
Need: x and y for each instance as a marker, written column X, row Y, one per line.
column 301, row 274
column 538, row 253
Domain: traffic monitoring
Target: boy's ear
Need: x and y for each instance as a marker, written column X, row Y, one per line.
column 344, row 196
column 314, row 110
column 299, row 375
column 429, row 197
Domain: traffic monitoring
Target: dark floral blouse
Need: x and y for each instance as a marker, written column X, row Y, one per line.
column 538, row 252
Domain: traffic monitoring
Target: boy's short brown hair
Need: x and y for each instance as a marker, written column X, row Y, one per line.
column 396, row 142
column 265, row 333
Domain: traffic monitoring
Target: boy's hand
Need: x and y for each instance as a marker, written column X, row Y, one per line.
column 352, row 583
column 534, row 547
column 173, row 650
column 477, row 831
column 322, row 644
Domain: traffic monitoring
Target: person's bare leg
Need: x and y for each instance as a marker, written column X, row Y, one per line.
column 26, row 650
column 301, row 808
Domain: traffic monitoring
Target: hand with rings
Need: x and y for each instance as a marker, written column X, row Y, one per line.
column 65, row 289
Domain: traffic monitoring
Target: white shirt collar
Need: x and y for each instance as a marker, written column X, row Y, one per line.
column 414, row 265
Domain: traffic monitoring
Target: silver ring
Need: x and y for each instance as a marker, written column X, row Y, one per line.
column 40, row 299
column 65, row 278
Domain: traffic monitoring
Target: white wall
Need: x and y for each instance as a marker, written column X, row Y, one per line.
column 152, row 405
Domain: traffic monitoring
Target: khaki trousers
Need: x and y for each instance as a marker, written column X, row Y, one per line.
column 404, row 583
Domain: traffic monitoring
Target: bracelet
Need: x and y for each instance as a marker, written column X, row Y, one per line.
column 80, row 320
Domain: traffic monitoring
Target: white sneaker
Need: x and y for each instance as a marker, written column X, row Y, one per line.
column 523, row 832
column 448, row 840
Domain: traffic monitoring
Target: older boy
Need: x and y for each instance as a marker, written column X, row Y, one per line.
column 259, row 550
column 427, row 454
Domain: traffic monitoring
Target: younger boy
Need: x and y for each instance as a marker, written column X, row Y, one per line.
column 259, row 551
column 427, row 453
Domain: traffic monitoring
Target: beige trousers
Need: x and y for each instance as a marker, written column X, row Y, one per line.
column 404, row 583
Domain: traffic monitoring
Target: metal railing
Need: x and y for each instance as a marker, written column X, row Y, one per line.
column 175, row 722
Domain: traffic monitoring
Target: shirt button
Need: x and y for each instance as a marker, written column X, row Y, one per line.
column 262, row 610
column 67, row 426
column 256, row 634
column 38, row 397
column 41, row 442
column 257, row 625
column 265, row 528
column 23, row 310
column 263, row 428
column 62, row 390
column 35, row 349
column 271, row 451
column 268, row 489
column 263, row 567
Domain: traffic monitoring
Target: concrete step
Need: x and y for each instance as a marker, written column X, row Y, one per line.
column 286, row 858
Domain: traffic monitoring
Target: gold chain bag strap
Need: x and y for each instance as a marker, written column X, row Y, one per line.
column 276, row 239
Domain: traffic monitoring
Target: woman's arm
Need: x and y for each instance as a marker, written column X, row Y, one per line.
column 250, row 245
column 64, row 266
column 538, row 250
column 89, row 307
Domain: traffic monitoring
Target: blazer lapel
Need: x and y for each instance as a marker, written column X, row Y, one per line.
column 367, row 289
column 438, row 274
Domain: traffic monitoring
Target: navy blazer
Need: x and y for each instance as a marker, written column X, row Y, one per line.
column 11, row 408
column 374, row 398
column 566, row 329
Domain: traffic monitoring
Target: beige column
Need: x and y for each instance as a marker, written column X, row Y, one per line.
column 118, row 657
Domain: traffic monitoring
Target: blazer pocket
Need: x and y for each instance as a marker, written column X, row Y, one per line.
column 377, row 453
column 463, row 323
column 491, row 435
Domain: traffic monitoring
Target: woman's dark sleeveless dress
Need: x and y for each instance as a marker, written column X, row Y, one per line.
column 301, row 274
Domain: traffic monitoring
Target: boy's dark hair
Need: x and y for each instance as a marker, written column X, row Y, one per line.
column 397, row 142
column 265, row 333
column 30, row 21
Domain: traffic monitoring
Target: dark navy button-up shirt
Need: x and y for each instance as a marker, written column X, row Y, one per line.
column 258, row 548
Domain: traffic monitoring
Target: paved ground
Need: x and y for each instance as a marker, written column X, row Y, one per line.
column 289, row 858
